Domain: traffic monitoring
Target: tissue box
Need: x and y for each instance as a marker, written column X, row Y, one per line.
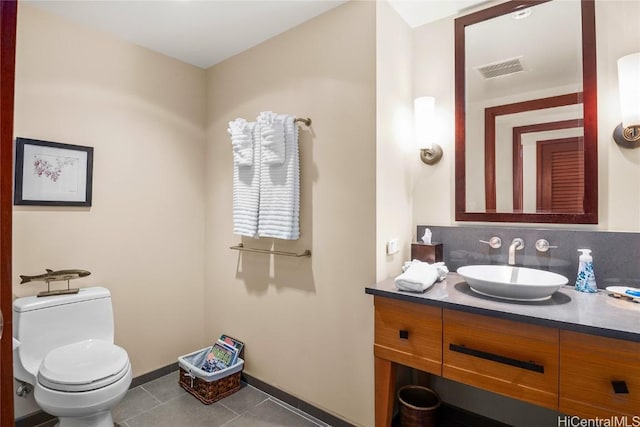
column 426, row 252
column 208, row 387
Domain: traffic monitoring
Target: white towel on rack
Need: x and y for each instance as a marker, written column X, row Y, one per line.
column 241, row 141
column 279, row 211
column 271, row 137
column 246, row 188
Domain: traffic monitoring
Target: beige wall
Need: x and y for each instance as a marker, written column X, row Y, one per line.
column 619, row 169
column 160, row 227
column 433, row 186
column 396, row 152
column 307, row 323
column 147, row 117
column 143, row 237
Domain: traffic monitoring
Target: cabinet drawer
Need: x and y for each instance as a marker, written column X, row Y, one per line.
column 409, row 334
column 588, row 366
column 510, row 358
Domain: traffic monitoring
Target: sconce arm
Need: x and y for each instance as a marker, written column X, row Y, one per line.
column 432, row 155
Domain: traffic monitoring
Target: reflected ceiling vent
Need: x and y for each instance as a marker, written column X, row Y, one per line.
column 501, row 68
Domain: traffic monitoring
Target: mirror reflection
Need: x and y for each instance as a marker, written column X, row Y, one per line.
column 524, row 111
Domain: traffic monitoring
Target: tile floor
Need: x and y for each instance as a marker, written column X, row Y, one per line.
column 163, row 403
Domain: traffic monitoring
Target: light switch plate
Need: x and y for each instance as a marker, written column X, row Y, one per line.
column 392, row 246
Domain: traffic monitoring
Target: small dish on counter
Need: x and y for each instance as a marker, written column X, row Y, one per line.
column 625, row 292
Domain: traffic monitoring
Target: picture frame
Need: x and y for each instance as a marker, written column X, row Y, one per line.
column 52, row 174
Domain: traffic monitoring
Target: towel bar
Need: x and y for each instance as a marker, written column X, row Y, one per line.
column 240, row 247
column 306, row 121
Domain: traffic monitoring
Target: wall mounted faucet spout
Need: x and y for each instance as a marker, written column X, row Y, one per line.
column 516, row 245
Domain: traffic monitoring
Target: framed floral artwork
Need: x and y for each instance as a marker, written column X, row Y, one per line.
column 52, row 174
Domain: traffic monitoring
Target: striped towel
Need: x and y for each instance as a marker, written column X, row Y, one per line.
column 271, row 137
column 246, row 185
column 279, row 210
column 241, row 142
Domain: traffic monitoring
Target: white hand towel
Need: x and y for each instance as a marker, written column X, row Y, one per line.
column 272, row 137
column 279, row 212
column 246, row 189
column 241, row 141
column 419, row 276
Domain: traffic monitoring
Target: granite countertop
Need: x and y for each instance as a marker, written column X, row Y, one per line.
column 597, row 314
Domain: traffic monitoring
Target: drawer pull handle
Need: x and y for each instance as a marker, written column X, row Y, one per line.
column 404, row 334
column 620, row 387
column 530, row 366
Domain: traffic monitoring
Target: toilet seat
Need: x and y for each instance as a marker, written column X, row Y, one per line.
column 83, row 366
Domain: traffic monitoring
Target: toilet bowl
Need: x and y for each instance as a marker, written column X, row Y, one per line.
column 81, row 382
column 67, row 353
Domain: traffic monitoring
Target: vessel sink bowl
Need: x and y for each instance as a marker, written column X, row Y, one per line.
column 512, row 283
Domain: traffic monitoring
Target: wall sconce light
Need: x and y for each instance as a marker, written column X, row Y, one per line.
column 424, row 119
column 627, row 133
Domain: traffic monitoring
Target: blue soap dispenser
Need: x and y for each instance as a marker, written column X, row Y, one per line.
column 586, row 280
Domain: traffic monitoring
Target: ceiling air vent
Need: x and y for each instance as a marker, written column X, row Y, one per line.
column 501, row 68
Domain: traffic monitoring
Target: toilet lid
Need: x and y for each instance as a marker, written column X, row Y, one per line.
column 82, row 366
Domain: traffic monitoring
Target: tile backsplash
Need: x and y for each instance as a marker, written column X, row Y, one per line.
column 616, row 256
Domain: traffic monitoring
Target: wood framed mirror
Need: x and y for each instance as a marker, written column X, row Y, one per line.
column 525, row 79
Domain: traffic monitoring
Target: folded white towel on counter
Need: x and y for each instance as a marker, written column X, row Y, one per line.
column 419, row 276
column 272, row 137
column 279, row 212
column 246, row 190
column 242, row 141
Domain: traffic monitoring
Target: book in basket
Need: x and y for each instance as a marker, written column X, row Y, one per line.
column 238, row 345
column 220, row 356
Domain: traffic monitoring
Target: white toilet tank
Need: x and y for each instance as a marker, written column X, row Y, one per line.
column 42, row 324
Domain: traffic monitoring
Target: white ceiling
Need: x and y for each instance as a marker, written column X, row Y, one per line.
column 420, row 12
column 205, row 32
column 201, row 33
column 548, row 43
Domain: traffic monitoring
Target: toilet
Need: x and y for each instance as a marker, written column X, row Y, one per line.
column 65, row 350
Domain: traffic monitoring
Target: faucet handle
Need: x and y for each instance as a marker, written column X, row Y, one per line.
column 494, row 242
column 542, row 245
column 517, row 243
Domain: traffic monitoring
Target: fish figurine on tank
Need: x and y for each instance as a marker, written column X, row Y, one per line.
column 55, row 276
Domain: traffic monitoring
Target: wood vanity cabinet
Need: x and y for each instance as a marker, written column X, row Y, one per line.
column 599, row 377
column 409, row 334
column 511, row 358
column 404, row 333
column 577, row 374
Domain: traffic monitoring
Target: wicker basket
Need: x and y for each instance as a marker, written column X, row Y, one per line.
column 208, row 387
column 208, row 392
